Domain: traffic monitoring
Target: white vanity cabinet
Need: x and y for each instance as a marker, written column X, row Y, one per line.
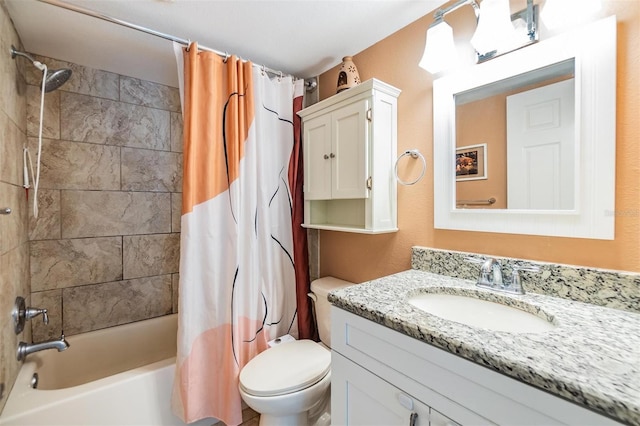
column 380, row 376
column 366, row 399
column 349, row 145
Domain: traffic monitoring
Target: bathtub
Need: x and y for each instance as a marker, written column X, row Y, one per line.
column 116, row 376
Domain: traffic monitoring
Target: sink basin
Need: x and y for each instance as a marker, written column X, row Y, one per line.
column 480, row 313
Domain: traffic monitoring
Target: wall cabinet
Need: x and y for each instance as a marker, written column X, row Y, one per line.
column 381, row 376
column 349, row 150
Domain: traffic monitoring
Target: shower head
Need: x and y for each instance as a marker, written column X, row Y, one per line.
column 55, row 78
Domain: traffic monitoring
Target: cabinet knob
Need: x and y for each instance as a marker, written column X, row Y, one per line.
column 326, row 157
column 332, row 155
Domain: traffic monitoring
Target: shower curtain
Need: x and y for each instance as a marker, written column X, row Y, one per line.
column 237, row 278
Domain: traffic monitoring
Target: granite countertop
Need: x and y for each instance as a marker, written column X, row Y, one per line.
column 591, row 357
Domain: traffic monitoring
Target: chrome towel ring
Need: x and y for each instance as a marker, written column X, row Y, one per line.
column 414, row 153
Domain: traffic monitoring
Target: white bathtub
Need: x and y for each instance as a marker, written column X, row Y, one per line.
column 116, row 376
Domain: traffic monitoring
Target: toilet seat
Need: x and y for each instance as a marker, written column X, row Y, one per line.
column 285, row 369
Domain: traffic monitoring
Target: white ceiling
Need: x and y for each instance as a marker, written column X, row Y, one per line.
column 299, row 37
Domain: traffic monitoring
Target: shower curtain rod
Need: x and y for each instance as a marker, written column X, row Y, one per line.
column 140, row 28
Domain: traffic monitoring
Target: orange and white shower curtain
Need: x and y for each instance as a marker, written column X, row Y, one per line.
column 237, row 279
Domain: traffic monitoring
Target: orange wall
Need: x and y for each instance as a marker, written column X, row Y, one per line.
column 394, row 60
column 485, row 122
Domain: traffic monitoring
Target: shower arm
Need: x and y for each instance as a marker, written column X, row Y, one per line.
column 37, row 64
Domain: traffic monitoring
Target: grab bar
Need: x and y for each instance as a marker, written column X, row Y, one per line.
column 489, row 201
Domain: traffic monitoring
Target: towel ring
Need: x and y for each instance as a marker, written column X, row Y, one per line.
column 414, row 153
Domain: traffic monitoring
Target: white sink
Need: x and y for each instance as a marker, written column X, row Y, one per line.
column 480, row 313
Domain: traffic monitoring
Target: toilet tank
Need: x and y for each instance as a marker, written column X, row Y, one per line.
column 320, row 289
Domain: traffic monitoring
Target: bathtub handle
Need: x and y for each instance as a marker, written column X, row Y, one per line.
column 21, row 314
column 33, row 312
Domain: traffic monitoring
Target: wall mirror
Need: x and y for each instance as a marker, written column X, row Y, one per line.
column 525, row 143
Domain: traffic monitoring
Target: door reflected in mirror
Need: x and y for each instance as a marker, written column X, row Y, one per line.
column 516, row 142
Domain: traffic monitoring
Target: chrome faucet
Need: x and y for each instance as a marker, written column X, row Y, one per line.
column 25, row 349
column 491, row 275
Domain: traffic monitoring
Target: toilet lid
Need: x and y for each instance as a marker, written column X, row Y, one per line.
column 286, row 368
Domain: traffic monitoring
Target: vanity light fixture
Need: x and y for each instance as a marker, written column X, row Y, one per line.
column 498, row 32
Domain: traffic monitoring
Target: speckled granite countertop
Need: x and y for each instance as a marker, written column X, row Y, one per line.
column 592, row 357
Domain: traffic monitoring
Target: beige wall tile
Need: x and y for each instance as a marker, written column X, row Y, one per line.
column 67, row 263
column 14, row 281
column 13, row 227
column 176, row 132
column 51, row 126
column 14, row 250
column 89, row 119
column 176, row 211
column 74, row 165
column 147, row 93
column 108, row 213
column 86, row 210
column 51, row 300
column 84, row 80
column 147, row 170
column 148, row 255
column 12, row 83
column 47, row 225
column 175, row 282
column 11, row 145
column 92, row 307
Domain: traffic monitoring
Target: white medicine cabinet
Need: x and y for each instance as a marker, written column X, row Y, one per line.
column 349, row 147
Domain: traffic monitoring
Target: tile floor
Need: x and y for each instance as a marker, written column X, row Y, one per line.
column 249, row 418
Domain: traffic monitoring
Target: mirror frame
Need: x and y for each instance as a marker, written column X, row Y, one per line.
column 593, row 48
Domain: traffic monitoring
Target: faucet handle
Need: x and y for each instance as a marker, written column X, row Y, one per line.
column 477, row 260
column 516, row 280
column 530, row 268
column 33, row 312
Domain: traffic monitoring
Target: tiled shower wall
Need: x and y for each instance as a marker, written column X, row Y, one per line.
column 104, row 249
column 14, row 244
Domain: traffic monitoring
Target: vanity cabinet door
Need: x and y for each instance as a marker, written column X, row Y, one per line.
column 360, row 398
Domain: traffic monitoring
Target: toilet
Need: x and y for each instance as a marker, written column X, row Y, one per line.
column 289, row 384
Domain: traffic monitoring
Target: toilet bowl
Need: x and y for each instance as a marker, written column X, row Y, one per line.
column 287, row 382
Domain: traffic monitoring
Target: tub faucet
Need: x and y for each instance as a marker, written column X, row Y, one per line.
column 25, row 349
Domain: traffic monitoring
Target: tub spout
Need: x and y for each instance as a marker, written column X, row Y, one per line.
column 25, row 349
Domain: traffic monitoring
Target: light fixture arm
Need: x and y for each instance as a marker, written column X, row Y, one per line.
column 439, row 15
column 532, row 30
